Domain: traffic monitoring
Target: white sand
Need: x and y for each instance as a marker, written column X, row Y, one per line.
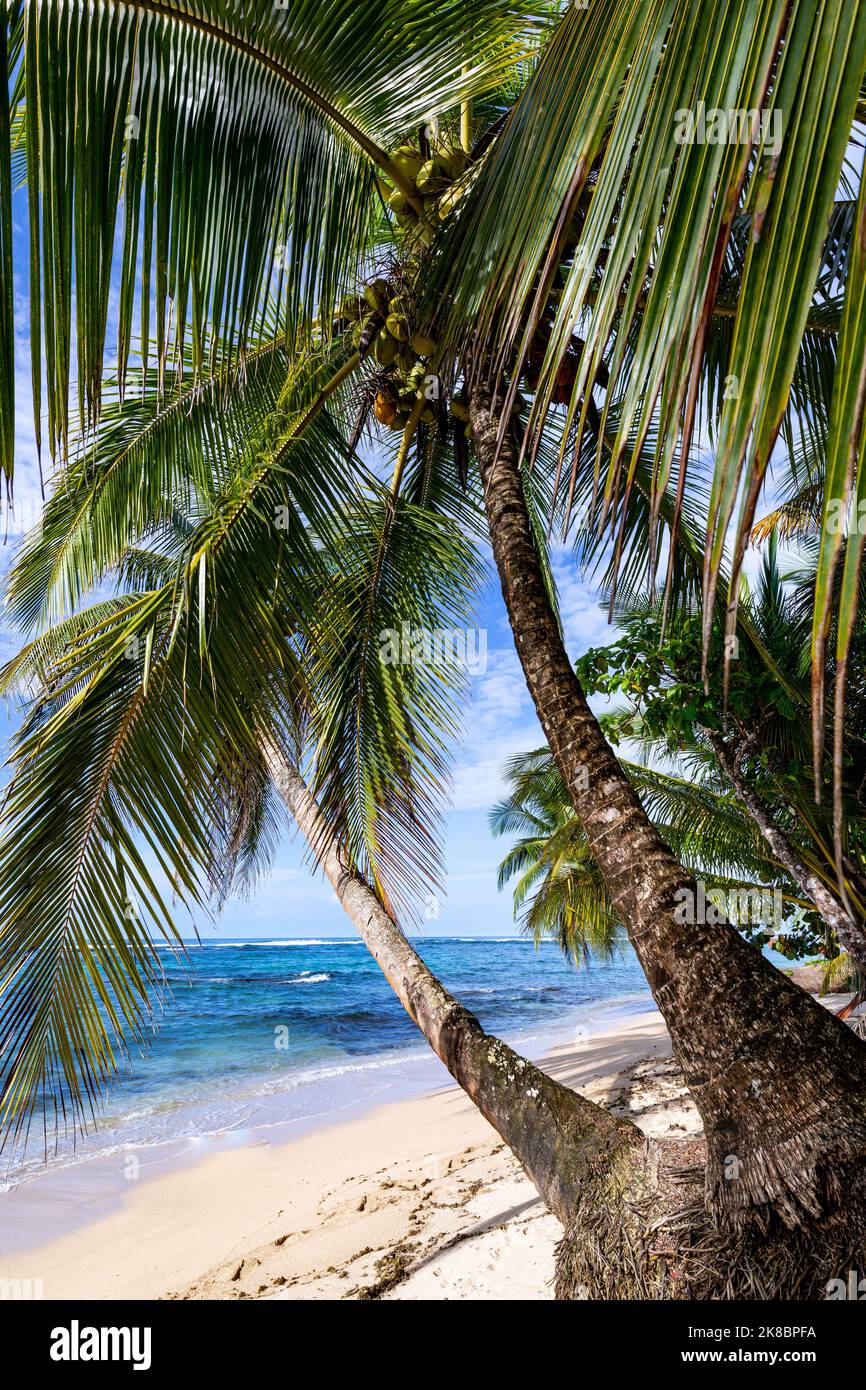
column 418, row 1199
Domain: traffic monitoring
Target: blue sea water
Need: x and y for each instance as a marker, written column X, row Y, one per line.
column 298, row 1031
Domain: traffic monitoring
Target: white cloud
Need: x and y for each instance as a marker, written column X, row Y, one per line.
column 479, row 782
column 286, row 888
column 500, row 722
column 584, row 621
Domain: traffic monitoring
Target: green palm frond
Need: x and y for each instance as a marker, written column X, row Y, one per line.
column 10, row 38
column 571, row 907
column 596, row 172
column 844, row 489
column 127, row 783
column 138, row 765
column 156, row 453
column 385, row 693
column 704, row 827
column 559, row 892
column 227, row 162
column 837, row 973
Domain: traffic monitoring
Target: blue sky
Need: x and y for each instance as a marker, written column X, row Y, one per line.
column 499, row 722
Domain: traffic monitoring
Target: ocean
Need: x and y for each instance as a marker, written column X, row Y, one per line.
column 297, row 1032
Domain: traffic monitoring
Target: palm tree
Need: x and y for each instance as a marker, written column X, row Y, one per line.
column 757, row 733
column 247, row 147
column 559, row 892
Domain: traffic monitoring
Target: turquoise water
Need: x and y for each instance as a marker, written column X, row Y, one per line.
column 261, row 1033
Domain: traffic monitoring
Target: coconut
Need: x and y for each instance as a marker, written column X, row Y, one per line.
column 407, row 161
column 385, row 349
column 405, row 358
column 452, row 161
column 417, row 375
column 376, row 294
column 460, row 408
column 424, row 346
column 398, row 327
column 432, row 177
column 385, row 408
column 398, row 203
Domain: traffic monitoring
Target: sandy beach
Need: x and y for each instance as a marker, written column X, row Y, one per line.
column 418, row 1199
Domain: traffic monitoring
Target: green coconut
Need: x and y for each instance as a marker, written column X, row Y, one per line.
column 452, row 160
column 385, row 349
column 376, row 294
column 424, row 346
column 407, row 161
column 432, row 177
column 398, row 327
column 400, row 205
column 405, row 358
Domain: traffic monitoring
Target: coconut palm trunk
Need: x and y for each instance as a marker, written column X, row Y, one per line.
column 631, row 1215
column 564, row 1142
column 779, row 1082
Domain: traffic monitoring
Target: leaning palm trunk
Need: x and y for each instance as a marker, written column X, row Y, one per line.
column 564, row 1142
column 779, row 1082
column 635, row 1220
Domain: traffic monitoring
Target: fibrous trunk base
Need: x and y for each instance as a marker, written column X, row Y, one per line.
column 643, row 1231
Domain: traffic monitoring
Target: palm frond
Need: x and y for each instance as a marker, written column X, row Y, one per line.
column 386, row 687
column 844, row 489
column 242, row 143
column 10, row 39
column 138, row 765
column 158, row 452
column 602, row 173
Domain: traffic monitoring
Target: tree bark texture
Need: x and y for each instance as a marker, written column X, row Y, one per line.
column 779, row 1082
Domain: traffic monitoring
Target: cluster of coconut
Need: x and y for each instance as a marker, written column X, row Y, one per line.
column 383, row 315
column 436, row 180
column 384, row 325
